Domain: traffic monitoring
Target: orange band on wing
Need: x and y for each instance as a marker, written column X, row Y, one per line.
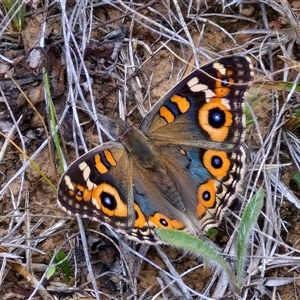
column 101, row 168
column 140, row 220
column 182, row 103
column 166, row 114
column 109, row 157
column 161, row 221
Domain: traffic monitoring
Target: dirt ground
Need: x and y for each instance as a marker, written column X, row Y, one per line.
column 150, row 60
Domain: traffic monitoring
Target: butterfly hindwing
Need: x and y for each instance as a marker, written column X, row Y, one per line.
column 202, row 184
column 208, row 183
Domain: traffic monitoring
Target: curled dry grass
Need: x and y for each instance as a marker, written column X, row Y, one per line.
column 145, row 66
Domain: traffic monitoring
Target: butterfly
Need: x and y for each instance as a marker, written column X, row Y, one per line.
column 180, row 169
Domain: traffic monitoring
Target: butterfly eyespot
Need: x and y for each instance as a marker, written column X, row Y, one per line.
column 216, row 162
column 78, row 193
column 216, row 118
column 225, row 81
column 206, row 195
column 108, row 201
column 163, row 222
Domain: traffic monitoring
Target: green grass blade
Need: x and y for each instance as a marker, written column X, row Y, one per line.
column 53, row 119
column 248, row 220
column 16, row 9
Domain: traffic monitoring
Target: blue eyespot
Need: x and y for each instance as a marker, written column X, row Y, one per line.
column 225, row 81
column 216, row 117
column 206, row 195
column 108, row 201
column 79, row 193
column 216, row 162
column 163, row 222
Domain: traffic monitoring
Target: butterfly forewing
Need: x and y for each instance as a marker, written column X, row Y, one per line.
column 205, row 109
column 89, row 188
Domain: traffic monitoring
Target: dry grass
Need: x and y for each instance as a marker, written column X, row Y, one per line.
column 145, row 66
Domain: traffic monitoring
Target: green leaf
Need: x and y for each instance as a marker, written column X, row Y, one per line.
column 247, row 223
column 296, row 177
column 50, row 272
column 211, row 232
column 197, row 246
column 62, row 265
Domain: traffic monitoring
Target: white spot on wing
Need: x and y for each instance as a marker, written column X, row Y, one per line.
column 69, row 183
column 226, row 102
column 193, row 82
column 90, row 185
column 209, row 94
column 86, row 173
column 199, row 87
column 250, row 66
column 82, row 166
column 196, row 87
column 96, row 203
column 220, row 68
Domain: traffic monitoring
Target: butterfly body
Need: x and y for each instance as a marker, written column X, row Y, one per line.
column 179, row 170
